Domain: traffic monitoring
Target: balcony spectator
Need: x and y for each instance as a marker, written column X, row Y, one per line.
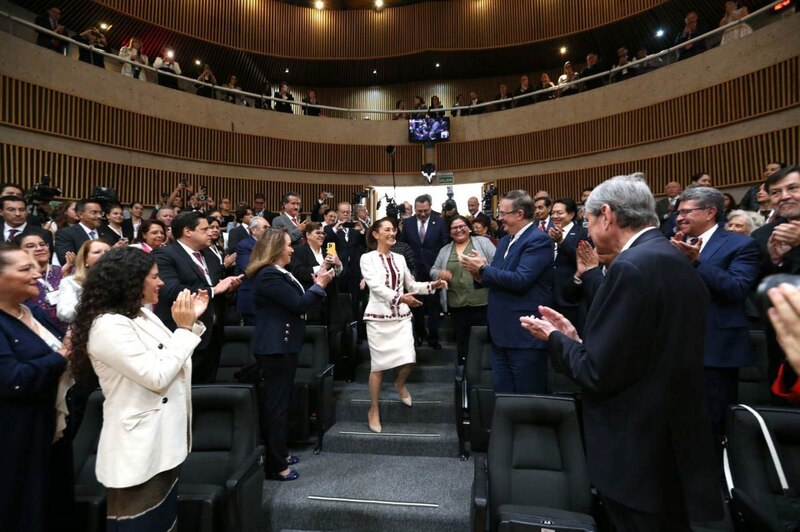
column 233, row 84
column 166, row 63
column 523, row 89
column 50, row 21
column 545, row 83
column 399, row 105
column 435, row 104
column 92, row 37
column 459, row 103
column 593, row 66
column 568, row 76
column 503, row 98
column 691, row 30
column 733, row 13
column 311, row 100
column 651, row 63
column 206, row 76
column 474, row 100
column 284, row 94
column 263, row 102
column 133, row 52
column 419, row 105
column 622, row 70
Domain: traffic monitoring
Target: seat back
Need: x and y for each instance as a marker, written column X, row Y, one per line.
column 758, row 494
column 480, row 389
column 754, row 385
column 84, row 446
column 224, row 432
column 314, row 355
column 235, row 353
column 536, row 455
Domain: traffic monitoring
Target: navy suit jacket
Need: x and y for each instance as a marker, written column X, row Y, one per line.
column 425, row 253
column 349, row 251
column 281, row 305
column 640, row 367
column 71, row 239
column 179, row 271
column 236, row 235
column 244, row 296
column 517, row 285
column 791, row 260
column 31, row 229
column 566, row 264
column 729, row 266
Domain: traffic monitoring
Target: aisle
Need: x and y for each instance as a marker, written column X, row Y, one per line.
column 409, row 477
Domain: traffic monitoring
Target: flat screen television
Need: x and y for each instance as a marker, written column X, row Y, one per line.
column 428, row 129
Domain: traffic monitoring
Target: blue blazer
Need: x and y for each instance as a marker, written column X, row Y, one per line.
column 244, row 296
column 280, row 306
column 729, row 266
column 425, row 253
column 517, row 285
column 566, row 264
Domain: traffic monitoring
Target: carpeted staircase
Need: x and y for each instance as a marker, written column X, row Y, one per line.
column 409, row 477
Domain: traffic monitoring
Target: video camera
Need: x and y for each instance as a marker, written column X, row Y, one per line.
column 104, row 196
column 39, row 192
column 449, row 204
column 393, row 210
column 358, row 197
column 486, row 203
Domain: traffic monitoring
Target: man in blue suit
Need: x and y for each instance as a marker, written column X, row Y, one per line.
column 519, row 279
column 426, row 233
column 728, row 264
column 244, row 298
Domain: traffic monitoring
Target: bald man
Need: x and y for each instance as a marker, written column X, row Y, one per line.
column 665, row 206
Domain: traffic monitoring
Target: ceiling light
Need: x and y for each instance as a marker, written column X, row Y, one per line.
column 375, row 71
column 319, row 4
column 562, row 50
column 286, row 71
column 660, row 33
column 197, row 62
column 104, row 26
column 437, row 65
column 378, row 4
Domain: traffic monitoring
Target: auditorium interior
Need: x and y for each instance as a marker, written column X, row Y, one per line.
column 371, row 135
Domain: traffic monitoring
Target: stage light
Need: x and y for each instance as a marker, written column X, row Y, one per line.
column 319, row 4
column 660, row 33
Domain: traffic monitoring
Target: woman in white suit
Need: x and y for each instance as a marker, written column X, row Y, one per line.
column 144, row 371
column 388, row 317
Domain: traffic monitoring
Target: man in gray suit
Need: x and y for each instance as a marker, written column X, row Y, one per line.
column 289, row 219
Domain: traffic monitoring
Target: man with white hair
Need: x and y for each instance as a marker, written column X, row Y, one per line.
column 244, row 248
column 649, row 449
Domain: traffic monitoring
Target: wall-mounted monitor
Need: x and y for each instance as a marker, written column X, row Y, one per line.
column 428, row 129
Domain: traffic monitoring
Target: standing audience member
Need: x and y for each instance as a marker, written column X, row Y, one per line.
column 244, row 249
column 520, row 95
column 568, row 76
column 519, row 279
column 51, row 22
column 152, row 235
column 691, row 30
column 113, row 226
column 206, row 76
column 545, row 83
column 728, row 264
column 649, row 450
column 130, row 226
column 399, row 105
column 138, row 362
column 650, row 64
column 71, row 288
column 593, row 67
column 15, row 220
column 311, row 99
column 187, row 263
column 36, row 462
column 242, row 219
column 165, row 62
column 749, row 201
column 350, row 245
column 50, row 277
column 426, row 234
column 465, row 301
column 666, row 206
column 284, row 97
column 290, row 219
column 743, row 222
column 435, row 104
column 733, row 13
column 306, row 263
column 90, row 214
column 458, row 107
column 541, row 212
column 473, row 102
column 133, row 52
column 566, row 235
column 503, row 98
column 95, row 39
column 65, row 216
column 280, row 304
column 419, row 105
column 388, row 316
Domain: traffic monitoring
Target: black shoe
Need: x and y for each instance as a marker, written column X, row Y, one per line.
column 434, row 344
column 292, row 475
column 417, row 342
column 292, row 460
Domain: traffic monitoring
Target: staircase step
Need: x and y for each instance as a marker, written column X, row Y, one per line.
column 425, row 355
column 397, row 439
column 426, row 373
column 433, row 403
column 371, row 492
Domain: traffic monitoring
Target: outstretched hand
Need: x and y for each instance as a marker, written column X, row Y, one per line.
column 551, row 321
column 410, row 300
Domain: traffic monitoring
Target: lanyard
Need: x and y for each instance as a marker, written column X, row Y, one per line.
column 44, row 282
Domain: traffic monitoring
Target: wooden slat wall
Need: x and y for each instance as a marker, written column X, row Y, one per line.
column 770, row 89
column 33, row 107
column 278, row 28
column 734, row 163
column 77, row 175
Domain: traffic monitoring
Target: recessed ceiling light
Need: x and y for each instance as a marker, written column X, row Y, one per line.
column 375, row 71
column 287, row 70
column 437, row 65
column 378, row 4
column 562, row 50
column 660, row 33
column 197, row 62
column 319, row 4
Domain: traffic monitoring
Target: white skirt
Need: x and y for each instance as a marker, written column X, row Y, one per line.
column 391, row 343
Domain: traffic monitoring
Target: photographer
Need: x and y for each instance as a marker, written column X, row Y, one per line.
column 133, row 52
column 206, row 76
column 94, row 38
column 349, row 237
column 166, row 63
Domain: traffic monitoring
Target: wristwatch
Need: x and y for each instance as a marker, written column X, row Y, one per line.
column 480, row 270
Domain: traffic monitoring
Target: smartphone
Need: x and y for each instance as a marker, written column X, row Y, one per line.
column 331, row 249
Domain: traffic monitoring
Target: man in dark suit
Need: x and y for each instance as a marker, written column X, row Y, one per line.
column 426, row 234
column 289, row 219
column 519, row 279
column 665, row 206
column 15, row 221
column 691, row 30
column 50, row 22
column 188, row 264
column 241, row 231
column 244, row 298
column 89, row 227
column 542, row 206
column 648, row 438
column 566, row 234
column 728, row 263
column 349, row 236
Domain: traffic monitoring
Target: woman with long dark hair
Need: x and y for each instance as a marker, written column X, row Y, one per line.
column 144, row 370
column 388, row 317
column 281, row 303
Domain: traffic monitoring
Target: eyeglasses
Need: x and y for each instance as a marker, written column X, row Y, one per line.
column 501, row 213
column 41, row 245
column 458, row 228
column 687, row 212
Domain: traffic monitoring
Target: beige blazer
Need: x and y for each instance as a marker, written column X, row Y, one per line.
column 145, row 372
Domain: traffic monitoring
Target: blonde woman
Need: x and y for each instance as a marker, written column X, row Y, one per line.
column 133, row 52
column 69, row 293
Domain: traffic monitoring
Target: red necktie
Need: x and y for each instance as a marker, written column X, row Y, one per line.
column 542, row 227
column 200, row 263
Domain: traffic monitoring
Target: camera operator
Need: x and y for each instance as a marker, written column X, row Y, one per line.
column 317, row 214
column 92, row 37
column 206, row 76
column 15, row 220
column 166, row 63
